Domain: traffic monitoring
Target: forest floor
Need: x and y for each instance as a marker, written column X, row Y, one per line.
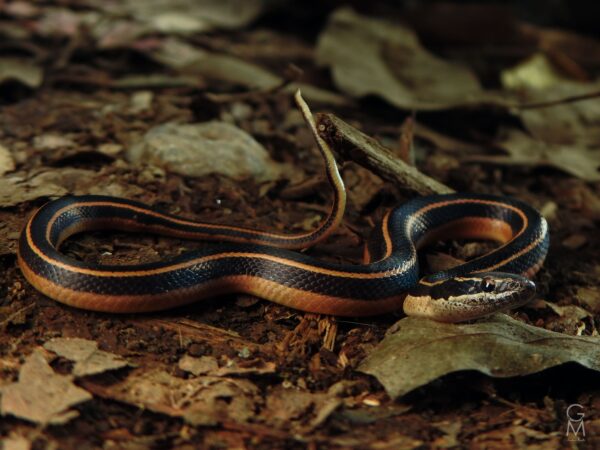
column 239, row 372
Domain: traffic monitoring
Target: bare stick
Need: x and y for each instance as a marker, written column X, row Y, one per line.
column 559, row 101
column 352, row 145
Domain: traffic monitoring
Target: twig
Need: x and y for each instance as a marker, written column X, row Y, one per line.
column 198, row 332
column 351, row 144
column 559, row 101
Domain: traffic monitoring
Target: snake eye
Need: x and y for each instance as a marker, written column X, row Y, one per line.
column 488, row 285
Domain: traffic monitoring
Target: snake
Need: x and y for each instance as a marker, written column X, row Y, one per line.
column 269, row 265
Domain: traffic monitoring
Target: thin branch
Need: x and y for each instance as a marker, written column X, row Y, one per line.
column 560, row 101
column 352, row 145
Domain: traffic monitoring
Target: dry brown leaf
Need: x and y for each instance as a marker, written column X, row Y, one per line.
column 222, row 67
column 19, row 188
column 41, row 395
column 375, row 57
column 564, row 135
column 7, row 163
column 571, row 49
column 524, row 150
column 590, row 296
column 190, row 16
column 204, row 400
column 419, row 351
column 518, row 436
column 16, row 189
column 198, row 366
column 536, row 72
column 301, row 410
column 22, row 70
column 50, row 141
column 88, row 359
column 569, row 312
column 571, row 123
column 208, row 365
column 16, row 442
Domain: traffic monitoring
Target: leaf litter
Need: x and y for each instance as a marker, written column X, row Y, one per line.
column 88, row 359
column 417, row 351
column 41, row 395
column 257, row 389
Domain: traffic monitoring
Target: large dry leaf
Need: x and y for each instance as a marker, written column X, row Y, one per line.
column 88, row 359
column 419, row 351
column 41, row 395
column 522, row 149
column 575, row 123
column 376, row 57
column 565, row 135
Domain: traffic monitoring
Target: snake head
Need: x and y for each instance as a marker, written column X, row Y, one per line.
column 468, row 297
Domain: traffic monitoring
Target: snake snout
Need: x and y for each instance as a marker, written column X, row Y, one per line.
column 524, row 287
column 528, row 288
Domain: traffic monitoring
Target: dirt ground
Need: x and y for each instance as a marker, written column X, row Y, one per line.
column 240, row 372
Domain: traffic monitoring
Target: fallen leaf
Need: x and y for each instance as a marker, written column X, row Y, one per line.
column 256, row 367
column 535, row 72
column 565, row 135
column 301, row 410
column 16, row 189
column 191, row 16
column 513, row 435
column 88, row 359
column 451, row 431
column 16, row 442
column 590, row 296
column 376, row 57
column 569, row 312
column 62, row 22
column 41, row 395
column 19, row 188
column 7, row 163
column 179, row 55
column 208, row 365
column 198, row 366
column 569, row 123
column 200, row 401
column 576, row 50
column 22, row 70
column 524, row 150
column 418, row 351
column 51, row 141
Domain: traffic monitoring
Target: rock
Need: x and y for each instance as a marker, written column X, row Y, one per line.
column 200, row 149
